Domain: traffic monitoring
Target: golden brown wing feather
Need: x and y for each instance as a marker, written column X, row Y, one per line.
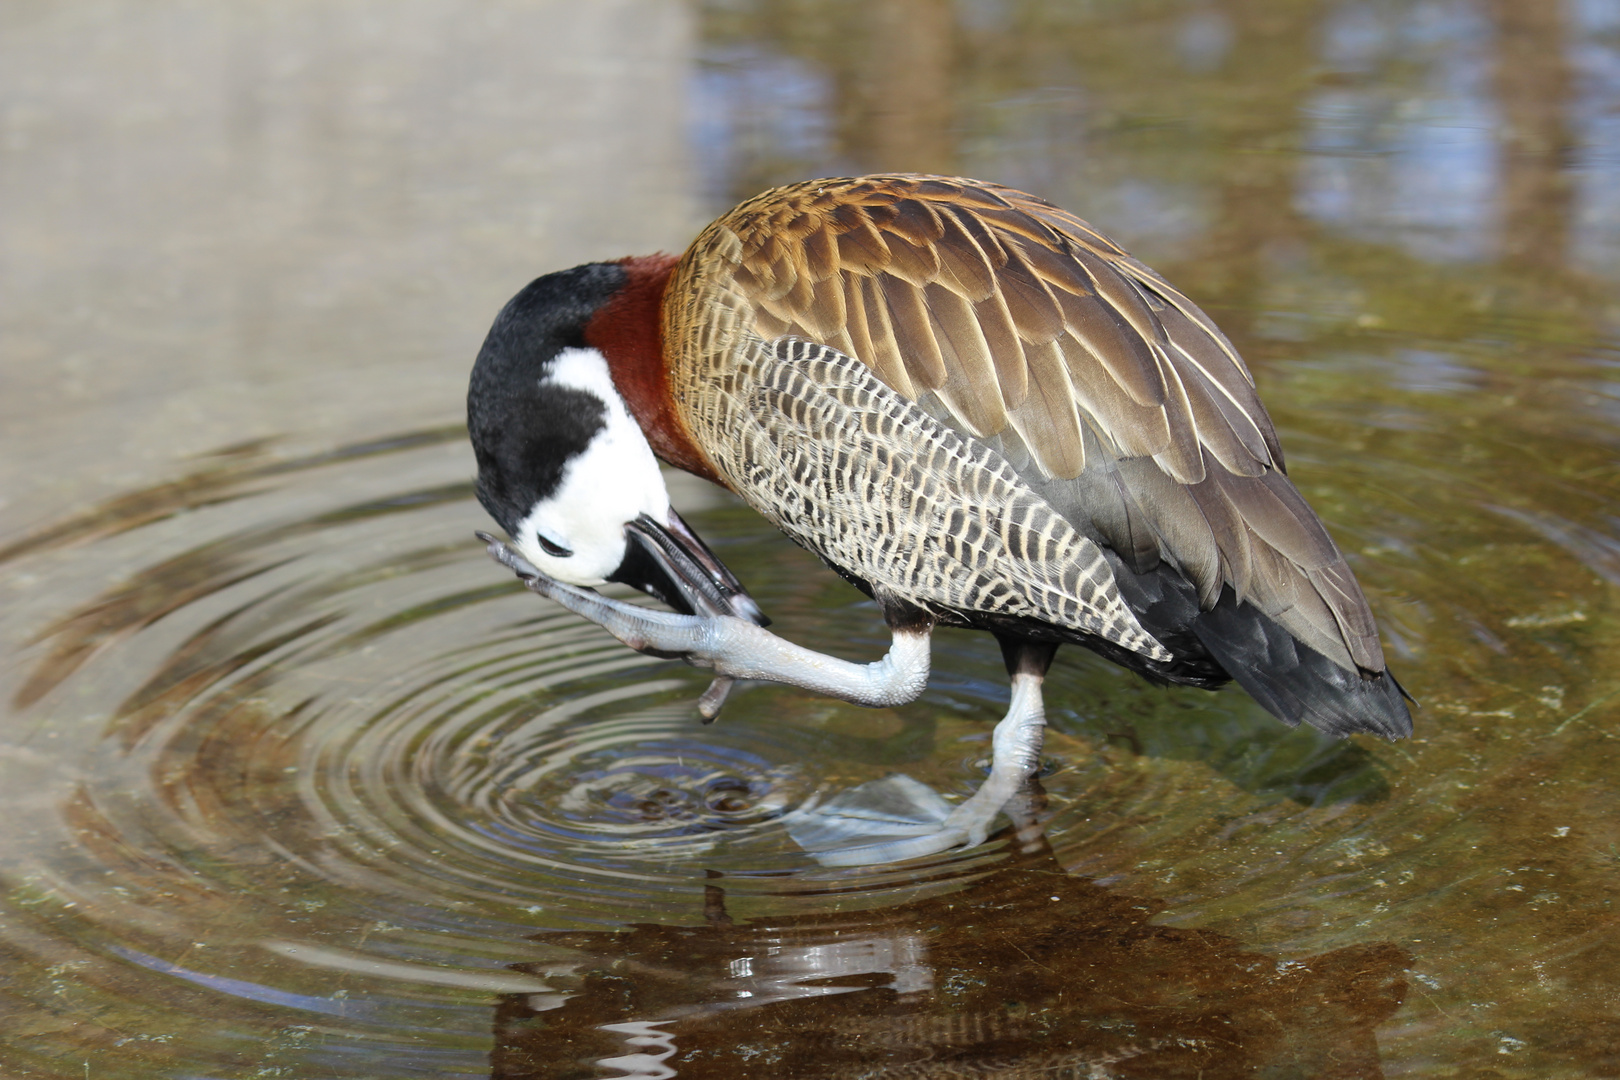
column 1018, row 323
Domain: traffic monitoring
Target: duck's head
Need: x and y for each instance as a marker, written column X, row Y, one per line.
column 564, row 467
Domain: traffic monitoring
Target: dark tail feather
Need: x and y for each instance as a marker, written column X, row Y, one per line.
column 1295, row 682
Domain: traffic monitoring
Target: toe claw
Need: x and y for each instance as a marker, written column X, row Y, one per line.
column 504, row 554
column 665, row 635
column 714, row 698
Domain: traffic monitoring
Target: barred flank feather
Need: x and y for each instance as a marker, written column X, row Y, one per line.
column 874, row 485
column 874, row 354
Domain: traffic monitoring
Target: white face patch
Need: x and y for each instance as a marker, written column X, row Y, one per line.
column 611, row 482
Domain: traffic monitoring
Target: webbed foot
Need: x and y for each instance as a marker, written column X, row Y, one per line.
column 894, row 819
column 733, row 648
column 664, row 634
column 898, row 818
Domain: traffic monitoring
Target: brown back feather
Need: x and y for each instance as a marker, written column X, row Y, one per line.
column 1018, row 323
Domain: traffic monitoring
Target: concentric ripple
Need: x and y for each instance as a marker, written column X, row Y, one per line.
column 407, row 711
column 305, row 782
column 315, row 729
column 327, row 758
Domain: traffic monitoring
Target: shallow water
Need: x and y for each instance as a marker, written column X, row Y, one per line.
column 298, row 783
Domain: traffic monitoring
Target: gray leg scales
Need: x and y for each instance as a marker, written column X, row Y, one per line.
column 898, row 818
column 735, row 648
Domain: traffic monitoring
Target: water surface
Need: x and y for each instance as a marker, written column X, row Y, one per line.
column 297, row 783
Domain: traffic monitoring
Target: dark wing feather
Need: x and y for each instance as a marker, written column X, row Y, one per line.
column 1017, row 322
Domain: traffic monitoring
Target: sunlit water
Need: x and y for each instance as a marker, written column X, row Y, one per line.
column 338, row 782
column 298, row 783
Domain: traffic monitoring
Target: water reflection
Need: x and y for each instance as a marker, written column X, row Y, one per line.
column 1451, row 129
column 1408, row 165
column 1022, row 970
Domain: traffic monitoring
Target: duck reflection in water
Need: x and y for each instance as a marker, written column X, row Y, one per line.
column 1026, row 971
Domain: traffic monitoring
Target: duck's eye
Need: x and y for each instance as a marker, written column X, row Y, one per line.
column 556, row 551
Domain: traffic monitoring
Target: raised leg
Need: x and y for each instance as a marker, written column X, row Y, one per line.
column 735, row 648
column 923, row 827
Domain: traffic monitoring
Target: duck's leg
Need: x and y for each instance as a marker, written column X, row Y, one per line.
column 1016, row 753
column 735, row 648
column 926, row 827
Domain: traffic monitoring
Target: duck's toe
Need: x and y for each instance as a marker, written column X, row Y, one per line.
column 891, row 820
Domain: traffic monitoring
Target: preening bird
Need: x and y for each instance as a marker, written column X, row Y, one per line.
column 970, row 404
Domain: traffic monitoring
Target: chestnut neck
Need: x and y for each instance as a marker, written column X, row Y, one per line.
column 629, row 331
